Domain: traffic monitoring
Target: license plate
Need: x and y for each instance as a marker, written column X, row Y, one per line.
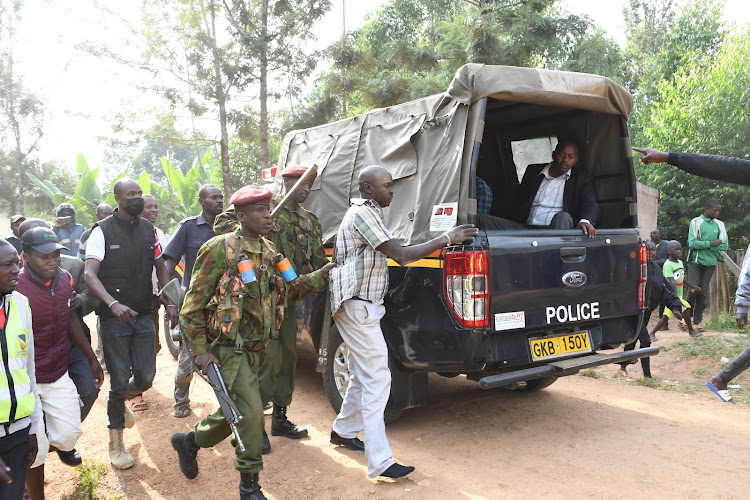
column 556, row 347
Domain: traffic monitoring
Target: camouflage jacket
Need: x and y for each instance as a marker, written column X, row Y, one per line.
column 208, row 315
column 296, row 234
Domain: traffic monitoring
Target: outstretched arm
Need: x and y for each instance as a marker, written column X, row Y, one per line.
column 404, row 255
column 719, row 168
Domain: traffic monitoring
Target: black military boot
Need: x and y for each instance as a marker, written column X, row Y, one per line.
column 249, row 487
column 281, row 426
column 266, row 446
column 187, row 452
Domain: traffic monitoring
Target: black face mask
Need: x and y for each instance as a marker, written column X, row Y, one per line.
column 135, row 206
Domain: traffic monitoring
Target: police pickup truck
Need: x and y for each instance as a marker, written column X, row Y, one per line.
column 514, row 308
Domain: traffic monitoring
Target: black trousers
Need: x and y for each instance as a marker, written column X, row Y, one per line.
column 14, row 450
column 699, row 275
column 80, row 373
column 561, row 220
column 645, row 341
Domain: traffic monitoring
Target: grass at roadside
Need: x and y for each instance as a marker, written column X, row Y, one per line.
column 681, row 386
column 91, row 472
column 713, row 347
column 692, row 362
column 724, row 322
column 714, row 352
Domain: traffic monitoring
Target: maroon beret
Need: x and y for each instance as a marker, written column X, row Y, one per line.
column 251, row 194
column 297, row 171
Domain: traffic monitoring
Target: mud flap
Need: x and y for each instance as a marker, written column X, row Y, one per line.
column 408, row 389
column 325, row 328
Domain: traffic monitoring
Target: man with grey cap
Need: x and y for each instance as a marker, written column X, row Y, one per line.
column 14, row 238
column 49, row 290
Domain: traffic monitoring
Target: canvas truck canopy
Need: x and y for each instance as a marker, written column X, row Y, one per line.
column 427, row 144
column 539, row 86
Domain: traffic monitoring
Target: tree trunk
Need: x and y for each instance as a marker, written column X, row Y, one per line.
column 264, row 88
column 221, row 100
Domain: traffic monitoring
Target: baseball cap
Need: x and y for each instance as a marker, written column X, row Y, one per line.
column 42, row 239
column 16, row 218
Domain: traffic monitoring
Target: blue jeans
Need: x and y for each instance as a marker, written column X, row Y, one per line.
column 128, row 348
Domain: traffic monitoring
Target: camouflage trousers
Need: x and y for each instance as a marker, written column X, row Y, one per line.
column 279, row 363
column 240, row 373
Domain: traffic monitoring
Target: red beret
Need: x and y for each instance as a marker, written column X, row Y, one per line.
column 297, row 171
column 251, row 194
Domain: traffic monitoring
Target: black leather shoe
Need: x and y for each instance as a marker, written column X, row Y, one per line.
column 352, row 443
column 249, row 487
column 187, row 452
column 397, row 470
column 266, row 446
column 71, row 458
column 281, row 426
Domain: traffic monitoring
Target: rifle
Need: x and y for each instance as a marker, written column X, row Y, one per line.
column 227, row 406
column 295, row 189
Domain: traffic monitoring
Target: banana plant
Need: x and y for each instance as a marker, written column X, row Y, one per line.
column 86, row 196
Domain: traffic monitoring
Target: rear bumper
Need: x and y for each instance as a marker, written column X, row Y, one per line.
column 564, row 367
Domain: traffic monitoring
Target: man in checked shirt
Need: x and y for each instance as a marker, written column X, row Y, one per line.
column 357, row 288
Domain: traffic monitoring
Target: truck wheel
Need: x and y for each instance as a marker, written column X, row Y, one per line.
column 172, row 345
column 537, row 384
column 336, row 376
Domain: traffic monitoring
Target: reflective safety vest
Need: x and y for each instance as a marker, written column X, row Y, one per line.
column 16, row 396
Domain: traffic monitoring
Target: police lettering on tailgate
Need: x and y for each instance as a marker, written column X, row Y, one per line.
column 572, row 312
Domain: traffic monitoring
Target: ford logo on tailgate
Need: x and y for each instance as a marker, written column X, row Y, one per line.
column 574, row 279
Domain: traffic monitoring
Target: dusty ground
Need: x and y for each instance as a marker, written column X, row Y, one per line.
column 582, row 437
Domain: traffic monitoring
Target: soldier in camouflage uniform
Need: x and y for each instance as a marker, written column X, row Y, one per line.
column 230, row 323
column 296, row 234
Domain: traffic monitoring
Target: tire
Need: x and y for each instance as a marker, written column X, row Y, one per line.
column 537, row 384
column 172, row 345
column 336, row 376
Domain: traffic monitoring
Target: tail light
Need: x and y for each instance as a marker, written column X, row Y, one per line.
column 643, row 278
column 467, row 286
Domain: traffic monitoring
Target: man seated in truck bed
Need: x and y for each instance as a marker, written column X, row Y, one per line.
column 553, row 195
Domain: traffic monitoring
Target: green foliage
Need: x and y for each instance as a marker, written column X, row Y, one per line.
column 669, row 385
column 86, row 196
column 178, row 197
column 593, row 373
column 91, row 473
column 702, row 109
column 723, row 322
column 412, row 48
column 712, row 348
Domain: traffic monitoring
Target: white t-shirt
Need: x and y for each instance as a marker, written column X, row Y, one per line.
column 96, row 249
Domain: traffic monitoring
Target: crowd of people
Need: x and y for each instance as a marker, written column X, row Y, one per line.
column 244, row 271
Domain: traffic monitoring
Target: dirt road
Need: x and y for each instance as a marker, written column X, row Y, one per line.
column 580, row 438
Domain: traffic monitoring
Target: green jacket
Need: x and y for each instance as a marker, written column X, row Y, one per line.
column 208, row 317
column 702, row 231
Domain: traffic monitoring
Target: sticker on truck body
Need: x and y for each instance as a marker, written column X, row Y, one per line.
column 444, row 216
column 510, row 320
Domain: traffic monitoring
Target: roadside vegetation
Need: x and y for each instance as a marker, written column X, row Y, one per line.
column 88, row 487
column 712, row 353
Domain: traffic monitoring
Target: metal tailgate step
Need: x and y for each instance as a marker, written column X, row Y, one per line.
column 564, row 367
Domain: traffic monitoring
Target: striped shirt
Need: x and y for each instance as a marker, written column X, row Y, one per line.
column 362, row 270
